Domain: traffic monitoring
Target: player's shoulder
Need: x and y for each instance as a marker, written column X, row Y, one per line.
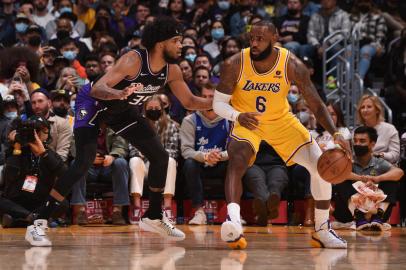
column 234, row 60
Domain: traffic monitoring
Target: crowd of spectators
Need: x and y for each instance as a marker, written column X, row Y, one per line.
column 50, row 49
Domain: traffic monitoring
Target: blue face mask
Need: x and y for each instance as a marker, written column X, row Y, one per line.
column 65, row 10
column 11, row 115
column 21, row 27
column 191, row 57
column 217, row 34
column 70, row 55
column 292, row 98
column 223, row 5
column 189, row 3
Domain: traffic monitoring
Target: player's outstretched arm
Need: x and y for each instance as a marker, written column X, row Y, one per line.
column 181, row 90
column 127, row 66
column 299, row 73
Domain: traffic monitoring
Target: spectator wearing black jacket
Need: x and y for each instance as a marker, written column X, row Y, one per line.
column 292, row 29
column 29, row 176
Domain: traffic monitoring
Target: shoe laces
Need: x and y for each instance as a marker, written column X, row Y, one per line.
column 330, row 230
column 39, row 231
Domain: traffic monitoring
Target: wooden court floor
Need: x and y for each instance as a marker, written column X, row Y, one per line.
column 274, row 247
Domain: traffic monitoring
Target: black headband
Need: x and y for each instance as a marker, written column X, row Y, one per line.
column 169, row 35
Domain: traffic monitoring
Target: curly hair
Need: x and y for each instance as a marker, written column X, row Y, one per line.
column 11, row 58
column 161, row 29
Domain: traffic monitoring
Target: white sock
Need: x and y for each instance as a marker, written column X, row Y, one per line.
column 233, row 211
column 320, row 218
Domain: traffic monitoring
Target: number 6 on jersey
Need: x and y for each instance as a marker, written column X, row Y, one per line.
column 260, row 104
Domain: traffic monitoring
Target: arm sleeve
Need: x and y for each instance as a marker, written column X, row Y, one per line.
column 222, row 107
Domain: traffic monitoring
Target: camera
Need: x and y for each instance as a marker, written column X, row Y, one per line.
column 25, row 129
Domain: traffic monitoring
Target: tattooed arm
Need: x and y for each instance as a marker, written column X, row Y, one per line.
column 299, row 73
column 126, row 67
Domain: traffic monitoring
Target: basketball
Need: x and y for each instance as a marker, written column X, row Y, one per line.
column 334, row 166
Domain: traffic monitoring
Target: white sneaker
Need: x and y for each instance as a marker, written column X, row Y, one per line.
column 36, row 235
column 231, row 230
column 199, row 218
column 243, row 222
column 162, row 227
column 327, row 238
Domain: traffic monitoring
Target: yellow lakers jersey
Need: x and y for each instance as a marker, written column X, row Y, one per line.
column 263, row 92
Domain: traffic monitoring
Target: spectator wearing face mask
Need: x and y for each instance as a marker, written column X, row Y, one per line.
column 21, row 24
column 70, row 51
column 293, row 95
column 168, row 132
column 10, row 107
column 64, row 9
column 217, row 34
column 33, row 37
column 61, row 104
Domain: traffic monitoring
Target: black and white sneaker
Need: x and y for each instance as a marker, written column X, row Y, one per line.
column 163, row 227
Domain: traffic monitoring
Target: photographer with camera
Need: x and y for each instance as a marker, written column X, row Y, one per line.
column 30, row 171
column 60, row 129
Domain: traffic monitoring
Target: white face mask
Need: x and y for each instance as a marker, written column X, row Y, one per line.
column 303, row 117
column 72, row 105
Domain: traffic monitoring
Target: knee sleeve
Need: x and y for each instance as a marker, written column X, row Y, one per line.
column 308, row 156
column 138, row 171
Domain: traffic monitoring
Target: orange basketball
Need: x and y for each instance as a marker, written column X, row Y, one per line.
column 334, row 166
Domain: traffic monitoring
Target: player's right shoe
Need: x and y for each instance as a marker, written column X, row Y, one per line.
column 36, row 234
column 232, row 233
column 162, row 227
column 327, row 238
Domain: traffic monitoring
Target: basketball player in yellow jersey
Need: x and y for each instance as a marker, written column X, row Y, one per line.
column 256, row 83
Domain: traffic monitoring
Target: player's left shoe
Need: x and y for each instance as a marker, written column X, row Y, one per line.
column 232, row 233
column 162, row 227
column 326, row 237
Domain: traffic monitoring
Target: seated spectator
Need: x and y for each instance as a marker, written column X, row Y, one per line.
column 189, row 41
column 41, row 15
column 168, row 131
column 10, row 108
column 370, row 113
column 107, row 61
column 70, row 51
column 189, row 53
column 372, row 28
column 61, row 132
column 61, row 105
column 29, row 177
column 292, row 29
column 48, row 75
column 229, row 47
column 203, row 145
column 205, row 61
column 201, row 77
column 217, row 34
column 266, row 179
column 85, row 13
column 65, row 8
column 93, row 67
column 393, row 12
column 69, row 80
column 304, row 114
column 373, row 170
column 395, row 79
column 328, row 20
column 109, row 166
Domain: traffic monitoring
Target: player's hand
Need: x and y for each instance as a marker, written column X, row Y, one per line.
column 345, row 145
column 24, row 74
column 129, row 90
column 248, row 120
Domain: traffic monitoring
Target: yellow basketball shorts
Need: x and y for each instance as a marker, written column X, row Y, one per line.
column 286, row 135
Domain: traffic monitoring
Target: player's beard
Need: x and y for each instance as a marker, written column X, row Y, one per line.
column 169, row 59
column 263, row 55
